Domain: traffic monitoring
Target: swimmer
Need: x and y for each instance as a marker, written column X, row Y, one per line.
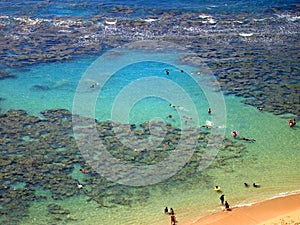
column 246, row 184
column 247, row 139
column 79, row 186
column 181, row 71
column 166, row 210
column 217, row 188
column 84, row 171
column 256, row 185
column 234, row 133
column 178, row 107
column 94, row 85
column 170, row 116
column 209, row 110
column 292, row 123
column 167, row 72
column 167, row 144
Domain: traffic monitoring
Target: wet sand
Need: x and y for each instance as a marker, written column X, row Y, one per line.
column 281, row 210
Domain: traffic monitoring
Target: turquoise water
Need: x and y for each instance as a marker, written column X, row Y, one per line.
column 245, row 43
column 272, row 160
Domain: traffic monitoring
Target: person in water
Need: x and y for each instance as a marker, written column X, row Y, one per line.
column 172, row 211
column 222, row 198
column 234, row 133
column 170, row 116
column 256, row 185
column 227, row 205
column 217, row 188
column 292, row 123
column 247, row 139
column 84, row 171
column 94, row 85
column 209, row 110
column 167, row 144
column 167, row 72
column 79, row 185
column 166, row 210
column 246, row 184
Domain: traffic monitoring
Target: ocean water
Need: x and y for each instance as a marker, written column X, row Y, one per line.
column 130, row 85
column 139, row 7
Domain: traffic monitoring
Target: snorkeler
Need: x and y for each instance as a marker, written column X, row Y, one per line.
column 167, row 72
column 79, row 185
column 94, row 85
column 84, row 171
column 256, row 185
column 247, row 139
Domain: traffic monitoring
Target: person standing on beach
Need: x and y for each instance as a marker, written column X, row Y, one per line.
column 173, row 220
column 222, row 199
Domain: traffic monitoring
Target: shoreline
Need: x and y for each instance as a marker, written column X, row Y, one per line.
column 277, row 210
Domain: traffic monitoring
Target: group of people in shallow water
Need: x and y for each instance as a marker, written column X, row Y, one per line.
column 225, row 203
column 222, row 197
column 172, row 213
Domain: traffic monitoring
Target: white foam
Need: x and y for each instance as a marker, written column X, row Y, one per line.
column 204, row 16
column 288, row 17
column 111, row 22
column 246, row 34
column 280, row 195
column 150, row 20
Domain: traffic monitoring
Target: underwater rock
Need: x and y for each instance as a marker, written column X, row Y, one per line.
column 6, row 75
column 38, row 87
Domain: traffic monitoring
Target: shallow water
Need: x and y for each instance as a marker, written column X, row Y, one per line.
column 257, row 41
column 272, row 160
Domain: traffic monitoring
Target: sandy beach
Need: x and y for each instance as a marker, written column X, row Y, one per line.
column 281, row 210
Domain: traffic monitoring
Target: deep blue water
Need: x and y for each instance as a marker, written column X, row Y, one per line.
column 50, row 8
